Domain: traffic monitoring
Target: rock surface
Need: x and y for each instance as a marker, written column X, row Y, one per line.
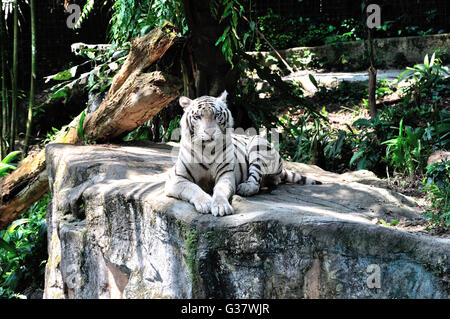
column 113, row 234
column 388, row 51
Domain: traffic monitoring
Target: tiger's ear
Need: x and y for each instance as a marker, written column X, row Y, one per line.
column 185, row 102
column 223, row 97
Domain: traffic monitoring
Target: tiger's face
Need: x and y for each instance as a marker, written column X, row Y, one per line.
column 206, row 118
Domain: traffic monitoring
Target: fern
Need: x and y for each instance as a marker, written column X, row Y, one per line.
column 86, row 10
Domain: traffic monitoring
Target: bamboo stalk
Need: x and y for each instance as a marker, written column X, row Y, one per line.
column 4, row 116
column 32, row 78
column 13, row 130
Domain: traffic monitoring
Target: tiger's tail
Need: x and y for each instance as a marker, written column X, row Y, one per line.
column 289, row 176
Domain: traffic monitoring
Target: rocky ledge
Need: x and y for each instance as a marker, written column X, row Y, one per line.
column 113, row 234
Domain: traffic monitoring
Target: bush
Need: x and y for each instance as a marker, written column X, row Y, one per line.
column 426, row 79
column 404, row 152
column 285, row 33
column 23, row 252
column 437, row 186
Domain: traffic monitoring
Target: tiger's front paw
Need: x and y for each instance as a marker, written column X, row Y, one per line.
column 220, row 206
column 202, row 203
column 247, row 189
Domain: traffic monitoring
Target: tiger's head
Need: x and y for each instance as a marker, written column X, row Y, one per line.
column 206, row 118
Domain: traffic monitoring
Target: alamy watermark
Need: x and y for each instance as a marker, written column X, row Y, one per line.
column 373, row 16
column 75, row 14
column 374, row 279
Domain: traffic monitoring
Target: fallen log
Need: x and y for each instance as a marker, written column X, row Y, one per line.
column 134, row 98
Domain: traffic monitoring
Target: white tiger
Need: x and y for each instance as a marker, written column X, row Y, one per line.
column 214, row 161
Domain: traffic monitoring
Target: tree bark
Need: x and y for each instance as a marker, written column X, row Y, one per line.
column 4, row 122
column 372, row 91
column 208, row 71
column 372, row 70
column 134, row 97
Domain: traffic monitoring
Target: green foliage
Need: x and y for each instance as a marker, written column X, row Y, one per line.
column 51, row 136
column 232, row 12
column 305, row 60
column 284, row 33
column 403, row 26
column 368, row 143
column 86, row 9
column 23, row 252
column 384, row 87
column 346, row 93
column 338, row 150
column 297, row 142
column 437, row 186
column 134, row 18
column 404, row 152
column 420, row 130
column 174, row 124
column 351, row 94
column 393, row 223
column 425, row 79
column 191, row 238
column 143, row 132
column 80, row 128
column 348, row 30
column 6, row 166
column 103, row 64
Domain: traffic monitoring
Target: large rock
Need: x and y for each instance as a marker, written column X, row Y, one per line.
column 113, row 234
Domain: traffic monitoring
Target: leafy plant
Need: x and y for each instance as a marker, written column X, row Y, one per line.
column 384, row 87
column 80, row 128
column 86, row 9
column 173, row 125
column 424, row 78
column 23, row 252
column 404, row 151
column 134, row 18
column 368, row 143
column 6, row 166
column 301, row 139
column 103, row 63
column 305, row 59
column 232, row 12
column 286, row 33
column 385, row 223
column 337, row 150
column 437, row 186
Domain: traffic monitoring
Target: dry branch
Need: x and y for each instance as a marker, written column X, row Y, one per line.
column 134, row 98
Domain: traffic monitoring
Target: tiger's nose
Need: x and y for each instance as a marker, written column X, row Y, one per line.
column 210, row 131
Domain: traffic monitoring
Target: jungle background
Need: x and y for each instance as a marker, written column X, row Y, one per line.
column 50, row 73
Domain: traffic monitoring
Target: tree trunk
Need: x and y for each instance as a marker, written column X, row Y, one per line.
column 4, row 114
column 372, row 91
column 210, row 67
column 135, row 97
column 208, row 71
column 372, row 70
column 32, row 78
